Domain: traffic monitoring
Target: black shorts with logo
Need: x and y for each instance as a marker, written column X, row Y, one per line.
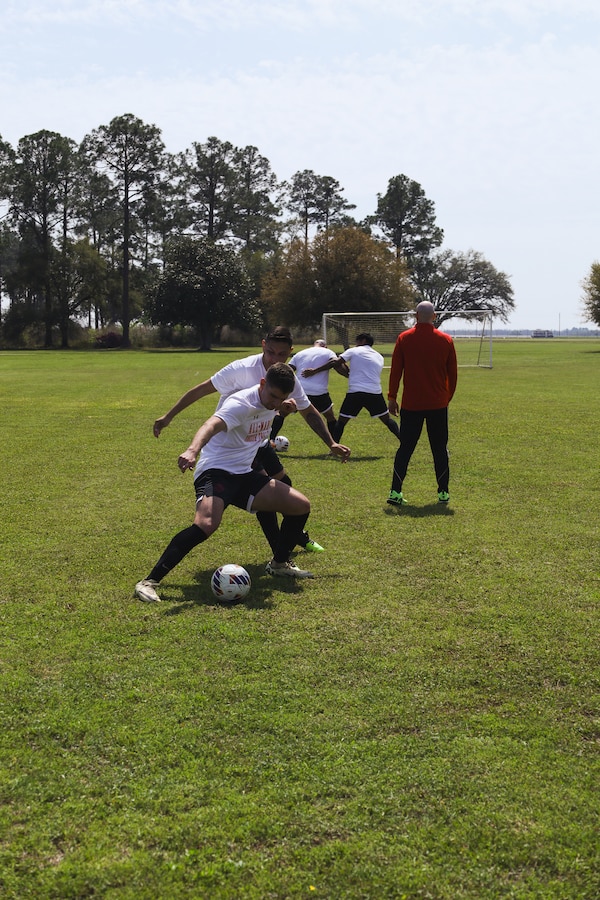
column 234, row 490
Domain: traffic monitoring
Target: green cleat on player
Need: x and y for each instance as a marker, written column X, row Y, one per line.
column 443, row 497
column 396, row 499
column 312, row 547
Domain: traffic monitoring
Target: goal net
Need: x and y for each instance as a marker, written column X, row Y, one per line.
column 471, row 331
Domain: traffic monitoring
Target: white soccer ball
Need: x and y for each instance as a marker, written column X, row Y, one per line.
column 281, row 443
column 230, row 582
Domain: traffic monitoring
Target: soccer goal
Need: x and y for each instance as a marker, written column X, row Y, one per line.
column 471, row 331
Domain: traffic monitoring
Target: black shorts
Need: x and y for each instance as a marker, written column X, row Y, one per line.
column 353, row 403
column 267, row 459
column 321, row 402
column 236, row 490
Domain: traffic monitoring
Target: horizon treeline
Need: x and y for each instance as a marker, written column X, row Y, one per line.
column 116, row 231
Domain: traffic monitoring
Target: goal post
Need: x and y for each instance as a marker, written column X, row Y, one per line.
column 471, row 331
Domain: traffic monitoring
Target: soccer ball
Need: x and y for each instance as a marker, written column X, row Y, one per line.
column 230, row 582
column 281, row 443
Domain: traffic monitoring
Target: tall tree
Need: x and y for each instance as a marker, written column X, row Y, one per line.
column 210, row 181
column 407, row 218
column 591, row 294
column 255, row 220
column 331, row 207
column 40, row 202
column 131, row 154
column 457, row 282
column 316, row 200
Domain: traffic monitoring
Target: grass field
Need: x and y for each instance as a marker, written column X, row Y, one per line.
column 420, row 721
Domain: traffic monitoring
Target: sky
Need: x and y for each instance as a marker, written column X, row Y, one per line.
column 488, row 104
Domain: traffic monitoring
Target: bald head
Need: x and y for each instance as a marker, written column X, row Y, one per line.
column 320, row 343
column 425, row 311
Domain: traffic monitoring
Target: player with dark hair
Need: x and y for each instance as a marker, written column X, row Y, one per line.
column 364, row 384
column 243, row 373
column 426, row 358
column 224, row 475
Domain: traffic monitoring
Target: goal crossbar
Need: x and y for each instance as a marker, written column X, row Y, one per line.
column 471, row 329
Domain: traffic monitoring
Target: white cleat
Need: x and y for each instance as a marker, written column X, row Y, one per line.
column 287, row 569
column 146, row 591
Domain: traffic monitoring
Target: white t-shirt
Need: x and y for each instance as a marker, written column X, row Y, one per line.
column 366, row 366
column 248, row 426
column 312, row 358
column 245, row 373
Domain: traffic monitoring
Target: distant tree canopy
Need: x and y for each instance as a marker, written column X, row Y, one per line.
column 591, row 294
column 345, row 270
column 203, row 285
column 455, row 282
column 116, row 230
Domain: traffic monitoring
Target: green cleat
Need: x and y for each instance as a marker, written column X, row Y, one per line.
column 312, row 547
column 397, row 499
column 443, row 497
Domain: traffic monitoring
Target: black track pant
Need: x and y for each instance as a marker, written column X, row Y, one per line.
column 411, row 426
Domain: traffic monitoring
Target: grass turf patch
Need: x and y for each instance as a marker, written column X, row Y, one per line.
column 420, row 721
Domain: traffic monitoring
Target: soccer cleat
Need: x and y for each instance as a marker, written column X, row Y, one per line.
column 145, row 591
column 443, row 497
column 396, row 499
column 287, row 569
column 312, row 547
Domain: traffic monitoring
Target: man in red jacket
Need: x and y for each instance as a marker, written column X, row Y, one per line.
column 426, row 358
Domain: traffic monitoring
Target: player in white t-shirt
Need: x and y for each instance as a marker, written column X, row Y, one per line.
column 247, row 372
column 225, row 474
column 364, row 384
column 317, row 388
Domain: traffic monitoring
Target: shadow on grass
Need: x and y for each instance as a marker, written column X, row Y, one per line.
column 419, row 512
column 198, row 593
column 358, row 457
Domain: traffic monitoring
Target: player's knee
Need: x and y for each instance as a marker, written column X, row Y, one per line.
column 207, row 523
column 301, row 504
column 285, row 478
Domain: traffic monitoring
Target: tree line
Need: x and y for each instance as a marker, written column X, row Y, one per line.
column 116, row 230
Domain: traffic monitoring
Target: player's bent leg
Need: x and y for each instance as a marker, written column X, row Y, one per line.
column 209, row 513
column 205, row 523
column 305, row 541
column 339, row 428
column 277, row 496
column 295, row 508
column 391, row 424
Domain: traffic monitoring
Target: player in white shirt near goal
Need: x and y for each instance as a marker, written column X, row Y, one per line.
column 316, row 388
column 364, row 384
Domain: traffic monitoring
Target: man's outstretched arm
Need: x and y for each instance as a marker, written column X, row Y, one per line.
column 195, row 393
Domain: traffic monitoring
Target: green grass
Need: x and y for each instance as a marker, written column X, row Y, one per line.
column 421, row 721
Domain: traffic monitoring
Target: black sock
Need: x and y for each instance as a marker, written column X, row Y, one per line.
column 270, row 526
column 331, row 426
column 304, row 538
column 290, row 535
column 179, row 547
column 338, row 430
